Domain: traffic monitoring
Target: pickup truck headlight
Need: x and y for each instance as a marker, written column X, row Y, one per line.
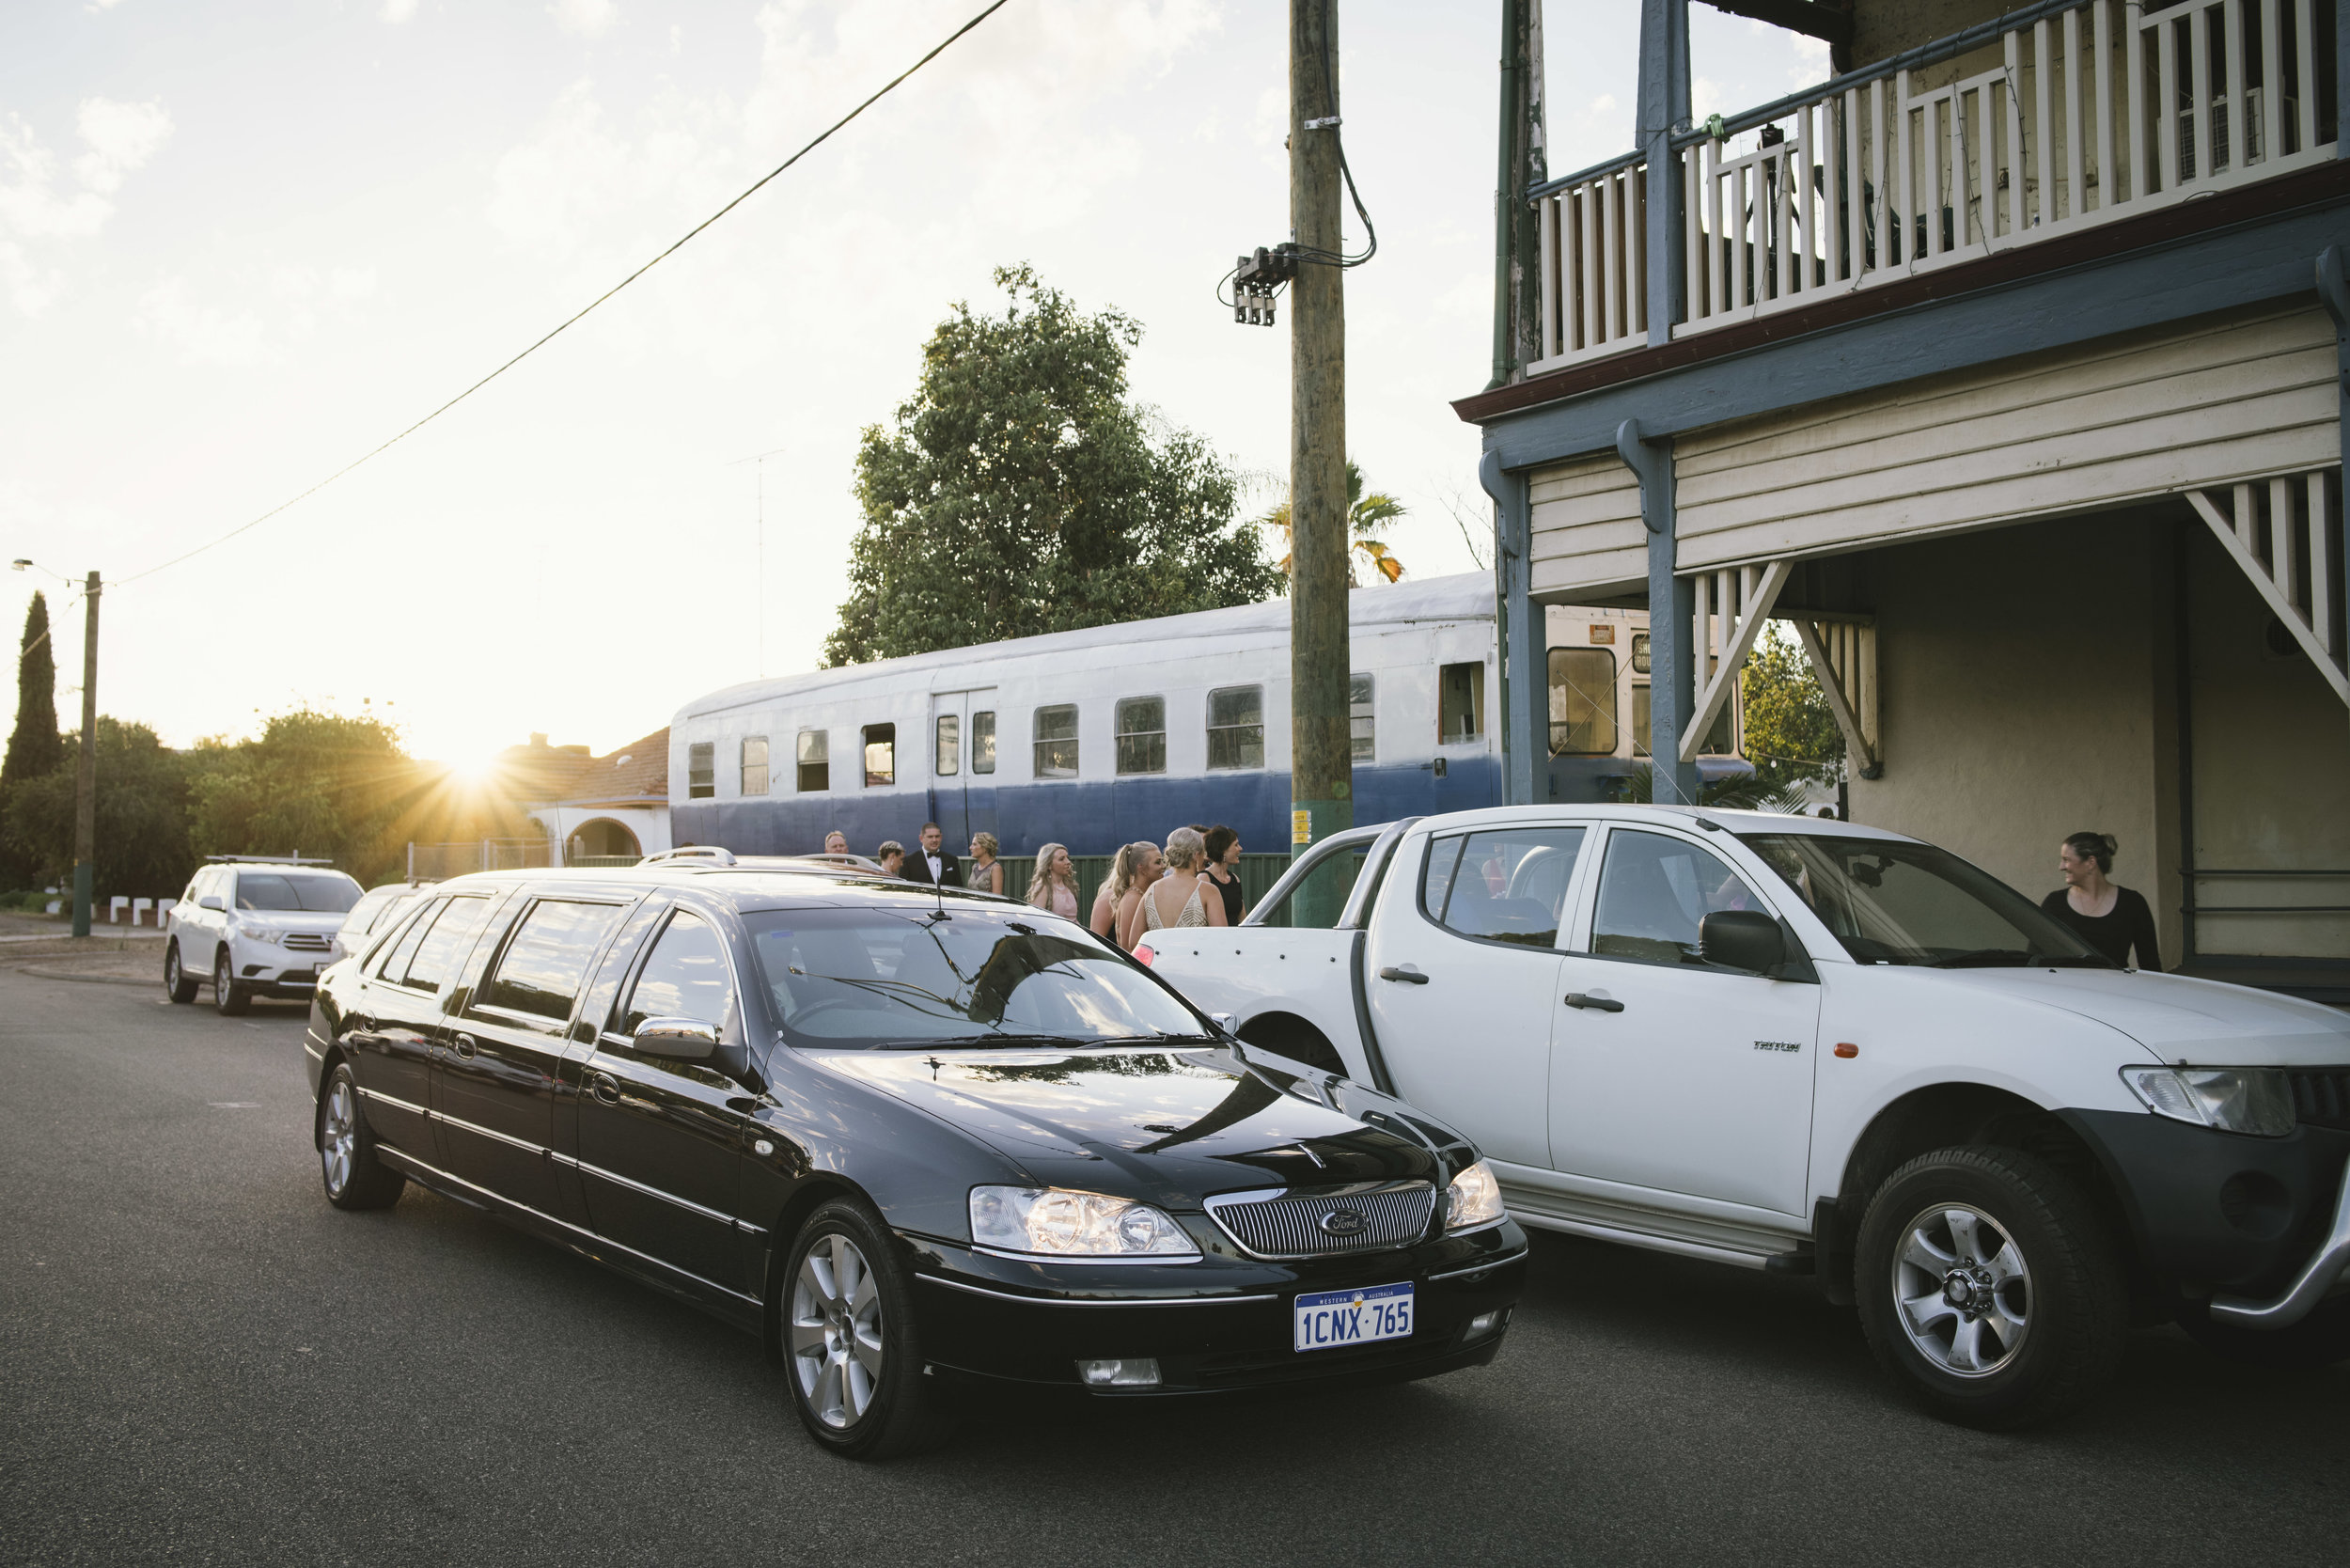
column 1473, row 1200
column 2255, row 1100
column 1057, row 1222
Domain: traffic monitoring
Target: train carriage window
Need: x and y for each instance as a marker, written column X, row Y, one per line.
column 1142, row 734
column 1461, row 703
column 1639, row 719
column 1640, row 653
column 1360, row 719
column 1056, row 741
column 947, row 745
column 983, row 741
column 881, row 754
column 815, row 758
column 1236, row 727
column 702, row 770
column 1582, row 703
column 754, row 764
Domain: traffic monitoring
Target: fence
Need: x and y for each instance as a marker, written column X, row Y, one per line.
column 434, row 862
column 2055, row 120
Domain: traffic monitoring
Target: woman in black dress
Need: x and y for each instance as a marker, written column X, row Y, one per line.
column 2110, row 918
column 1224, row 871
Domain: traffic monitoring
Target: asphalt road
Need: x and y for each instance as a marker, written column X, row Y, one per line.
column 200, row 1361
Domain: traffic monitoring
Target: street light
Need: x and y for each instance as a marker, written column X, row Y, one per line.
column 85, row 773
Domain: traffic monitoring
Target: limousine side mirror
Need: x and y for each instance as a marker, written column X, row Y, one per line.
column 677, row 1039
column 1742, row 939
column 210, row 901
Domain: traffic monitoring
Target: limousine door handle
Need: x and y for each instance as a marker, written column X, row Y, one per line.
column 605, row 1088
column 1595, row 1001
column 1405, row 973
column 462, row 1045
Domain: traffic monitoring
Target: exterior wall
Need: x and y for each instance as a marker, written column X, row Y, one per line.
column 650, row 823
column 2027, row 678
column 1588, row 538
column 1882, row 28
column 2128, row 418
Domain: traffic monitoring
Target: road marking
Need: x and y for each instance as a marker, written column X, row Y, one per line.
column 234, row 1105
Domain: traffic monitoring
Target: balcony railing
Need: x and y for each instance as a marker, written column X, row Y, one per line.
column 2057, row 118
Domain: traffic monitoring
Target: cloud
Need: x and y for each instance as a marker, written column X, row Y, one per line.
column 121, row 138
column 37, row 208
column 202, row 333
column 587, row 18
column 397, row 11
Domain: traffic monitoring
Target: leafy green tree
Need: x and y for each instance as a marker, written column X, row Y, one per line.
column 1791, row 732
column 35, row 747
column 322, row 784
column 1367, row 518
column 1019, row 491
column 142, row 849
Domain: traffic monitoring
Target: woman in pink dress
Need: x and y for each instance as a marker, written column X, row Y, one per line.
column 1053, row 886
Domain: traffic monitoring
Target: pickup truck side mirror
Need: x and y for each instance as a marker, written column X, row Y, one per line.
column 211, row 901
column 677, row 1039
column 1744, row 939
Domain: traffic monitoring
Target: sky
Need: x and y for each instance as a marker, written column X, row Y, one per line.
column 245, row 242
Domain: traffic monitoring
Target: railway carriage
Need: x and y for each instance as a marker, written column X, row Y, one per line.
column 1099, row 737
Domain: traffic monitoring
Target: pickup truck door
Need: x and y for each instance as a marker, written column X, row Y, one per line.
column 1669, row 1073
column 1462, row 972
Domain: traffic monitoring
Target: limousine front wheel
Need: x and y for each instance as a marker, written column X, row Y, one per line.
column 849, row 1338
column 355, row 1179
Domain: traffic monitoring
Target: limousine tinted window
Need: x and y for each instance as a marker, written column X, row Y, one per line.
column 447, row 944
column 542, row 965
column 396, row 961
column 685, row 977
column 879, row 978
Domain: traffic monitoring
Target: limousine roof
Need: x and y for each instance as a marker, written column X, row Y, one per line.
column 747, row 887
column 1465, row 596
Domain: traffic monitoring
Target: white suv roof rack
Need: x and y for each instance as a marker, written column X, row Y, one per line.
column 692, row 852
column 266, row 860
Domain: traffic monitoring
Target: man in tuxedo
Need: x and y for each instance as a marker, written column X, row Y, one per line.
column 933, row 863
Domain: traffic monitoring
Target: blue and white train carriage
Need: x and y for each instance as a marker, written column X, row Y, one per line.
column 1097, row 738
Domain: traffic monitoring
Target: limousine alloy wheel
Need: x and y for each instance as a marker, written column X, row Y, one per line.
column 355, row 1179
column 849, row 1338
column 1989, row 1286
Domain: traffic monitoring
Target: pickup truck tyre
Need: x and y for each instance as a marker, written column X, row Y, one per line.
column 1990, row 1288
column 177, row 983
column 2319, row 1339
column 229, row 999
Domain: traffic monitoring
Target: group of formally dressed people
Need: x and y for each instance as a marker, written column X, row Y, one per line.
column 1191, row 880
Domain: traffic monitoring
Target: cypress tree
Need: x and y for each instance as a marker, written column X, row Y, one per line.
column 36, row 749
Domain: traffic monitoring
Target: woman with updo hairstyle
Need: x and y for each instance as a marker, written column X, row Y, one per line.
column 2111, row 918
column 1178, row 898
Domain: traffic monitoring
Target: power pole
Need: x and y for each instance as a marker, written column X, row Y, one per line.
column 86, row 774
column 1321, row 768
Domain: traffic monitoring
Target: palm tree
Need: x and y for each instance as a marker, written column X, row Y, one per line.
column 1366, row 516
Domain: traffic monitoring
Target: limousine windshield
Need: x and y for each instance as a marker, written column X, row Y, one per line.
column 874, row 977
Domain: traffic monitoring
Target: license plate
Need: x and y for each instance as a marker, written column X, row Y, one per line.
column 1329, row 1319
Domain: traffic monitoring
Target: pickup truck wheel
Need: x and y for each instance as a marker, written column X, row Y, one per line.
column 229, row 999
column 2319, row 1339
column 177, row 983
column 1989, row 1287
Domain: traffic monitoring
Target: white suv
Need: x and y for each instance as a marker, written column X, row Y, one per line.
column 255, row 927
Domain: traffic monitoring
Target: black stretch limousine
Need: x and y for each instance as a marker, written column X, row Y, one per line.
column 925, row 1143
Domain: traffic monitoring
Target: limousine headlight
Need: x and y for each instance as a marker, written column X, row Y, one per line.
column 1474, row 1199
column 1057, row 1222
column 2255, row 1100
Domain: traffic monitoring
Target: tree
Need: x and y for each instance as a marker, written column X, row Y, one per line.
column 322, row 784
column 1790, row 731
column 142, row 847
column 1020, row 491
column 35, row 747
column 1367, row 518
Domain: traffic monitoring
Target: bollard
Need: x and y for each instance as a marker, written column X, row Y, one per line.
column 138, row 910
column 163, row 910
column 115, row 906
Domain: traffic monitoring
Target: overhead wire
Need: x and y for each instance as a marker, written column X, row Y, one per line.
column 377, row 452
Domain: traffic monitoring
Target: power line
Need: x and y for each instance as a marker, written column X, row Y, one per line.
column 591, row 304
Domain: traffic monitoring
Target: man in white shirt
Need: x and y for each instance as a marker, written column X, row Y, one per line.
column 935, row 864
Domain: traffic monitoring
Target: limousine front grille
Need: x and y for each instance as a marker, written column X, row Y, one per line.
column 2321, row 1096
column 307, row 941
column 1300, row 1225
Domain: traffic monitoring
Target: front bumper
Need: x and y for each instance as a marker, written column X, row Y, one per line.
column 2243, row 1222
column 1217, row 1326
column 274, row 972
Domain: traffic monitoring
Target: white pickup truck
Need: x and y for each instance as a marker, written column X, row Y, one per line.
column 1820, row 1048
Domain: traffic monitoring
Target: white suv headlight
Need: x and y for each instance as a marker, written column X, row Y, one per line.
column 257, row 934
column 1057, row 1222
column 2255, row 1100
column 1473, row 1200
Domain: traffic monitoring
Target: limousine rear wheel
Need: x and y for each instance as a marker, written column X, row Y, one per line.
column 355, row 1179
column 1988, row 1284
column 849, row 1338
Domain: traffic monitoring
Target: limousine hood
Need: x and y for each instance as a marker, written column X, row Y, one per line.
column 1171, row 1126
column 2181, row 1020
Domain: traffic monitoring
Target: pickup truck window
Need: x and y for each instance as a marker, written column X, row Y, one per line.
column 1652, row 893
column 1330, row 882
column 1509, row 885
column 1889, row 902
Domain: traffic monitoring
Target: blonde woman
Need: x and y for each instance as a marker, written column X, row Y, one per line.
column 1053, row 886
column 1182, row 897
column 1136, row 866
column 984, row 874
